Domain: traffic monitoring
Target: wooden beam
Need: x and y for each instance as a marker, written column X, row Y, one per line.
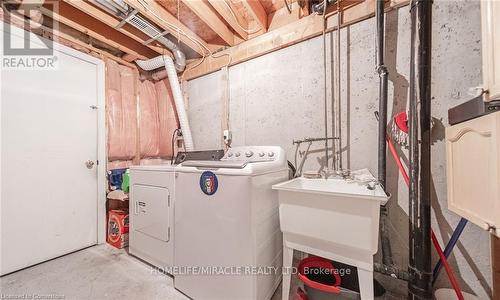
column 257, row 12
column 344, row 5
column 33, row 15
column 282, row 17
column 60, row 37
column 236, row 21
column 290, row 34
column 167, row 17
column 100, row 15
column 207, row 15
column 74, row 18
column 304, row 9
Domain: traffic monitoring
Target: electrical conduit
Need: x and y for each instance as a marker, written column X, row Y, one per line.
column 165, row 60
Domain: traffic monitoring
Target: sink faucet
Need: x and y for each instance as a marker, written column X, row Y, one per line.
column 372, row 184
column 344, row 174
column 325, row 173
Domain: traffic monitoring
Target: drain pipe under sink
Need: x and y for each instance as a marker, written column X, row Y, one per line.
column 167, row 61
column 382, row 131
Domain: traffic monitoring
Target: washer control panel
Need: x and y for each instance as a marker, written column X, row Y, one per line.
column 253, row 153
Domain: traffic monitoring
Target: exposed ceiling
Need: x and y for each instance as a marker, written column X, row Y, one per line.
column 200, row 27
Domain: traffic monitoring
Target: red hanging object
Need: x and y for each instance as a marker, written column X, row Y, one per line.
column 401, row 120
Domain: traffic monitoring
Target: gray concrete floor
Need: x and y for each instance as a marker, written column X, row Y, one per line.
column 99, row 273
column 95, row 273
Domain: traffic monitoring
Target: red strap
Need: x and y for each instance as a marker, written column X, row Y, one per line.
column 447, row 267
column 398, row 160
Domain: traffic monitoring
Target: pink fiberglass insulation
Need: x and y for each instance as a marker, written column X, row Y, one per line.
column 114, row 111
column 121, row 112
column 167, row 117
column 157, row 115
column 148, row 120
column 129, row 106
column 119, row 164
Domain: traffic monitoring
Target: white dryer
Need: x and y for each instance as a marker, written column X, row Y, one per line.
column 151, row 209
column 151, row 214
column 228, row 240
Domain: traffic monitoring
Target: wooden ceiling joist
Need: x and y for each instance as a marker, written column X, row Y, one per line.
column 207, row 15
column 233, row 18
column 74, row 18
column 257, row 12
column 187, row 39
column 100, row 15
column 344, row 5
column 287, row 35
column 60, row 36
column 220, row 22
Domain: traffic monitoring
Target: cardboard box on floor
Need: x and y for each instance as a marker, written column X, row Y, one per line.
column 118, row 228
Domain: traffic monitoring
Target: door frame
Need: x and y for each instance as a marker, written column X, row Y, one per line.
column 101, row 121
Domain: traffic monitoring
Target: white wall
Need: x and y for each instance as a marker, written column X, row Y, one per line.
column 279, row 97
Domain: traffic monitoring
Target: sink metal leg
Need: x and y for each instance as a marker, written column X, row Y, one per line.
column 287, row 272
column 365, row 284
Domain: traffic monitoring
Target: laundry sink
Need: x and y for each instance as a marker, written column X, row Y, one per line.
column 334, row 215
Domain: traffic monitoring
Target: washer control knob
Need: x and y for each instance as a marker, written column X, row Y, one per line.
column 237, row 154
column 270, row 154
column 248, row 154
column 229, row 154
column 261, row 154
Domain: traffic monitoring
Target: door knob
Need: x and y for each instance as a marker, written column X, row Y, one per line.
column 490, row 228
column 89, row 164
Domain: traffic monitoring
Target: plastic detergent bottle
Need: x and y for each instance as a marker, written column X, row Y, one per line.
column 126, row 181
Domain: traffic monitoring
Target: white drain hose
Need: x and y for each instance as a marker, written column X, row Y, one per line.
column 165, row 60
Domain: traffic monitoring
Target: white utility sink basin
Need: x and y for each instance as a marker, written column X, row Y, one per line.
column 335, row 187
column 333, row 218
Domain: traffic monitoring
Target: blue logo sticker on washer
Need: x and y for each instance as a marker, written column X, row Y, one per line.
column 208, row 183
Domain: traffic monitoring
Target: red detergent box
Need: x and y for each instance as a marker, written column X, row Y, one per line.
column 118, row 228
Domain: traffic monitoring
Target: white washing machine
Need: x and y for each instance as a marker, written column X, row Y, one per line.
column 228, row 240
column 151, row 214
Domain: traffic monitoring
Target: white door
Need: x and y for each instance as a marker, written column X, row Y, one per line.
column 48, row 132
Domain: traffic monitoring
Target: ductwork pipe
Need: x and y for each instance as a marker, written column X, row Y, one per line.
column 122, row 10
column 155, row 75
column 165, row 60
column 179, row 57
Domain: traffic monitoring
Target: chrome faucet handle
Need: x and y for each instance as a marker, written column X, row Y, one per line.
column 325, row 173
column 372, row 184
column 346, row 174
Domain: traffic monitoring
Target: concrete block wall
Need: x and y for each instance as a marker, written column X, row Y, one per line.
column 280, row 96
